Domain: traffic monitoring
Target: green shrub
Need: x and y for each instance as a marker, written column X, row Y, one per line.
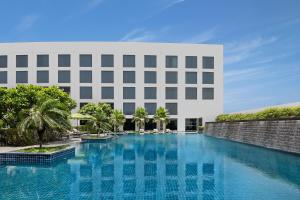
column 267, row 114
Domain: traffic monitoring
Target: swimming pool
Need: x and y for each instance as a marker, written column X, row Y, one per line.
column 159, row 167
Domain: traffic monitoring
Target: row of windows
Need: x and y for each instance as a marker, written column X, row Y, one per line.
column 149, row 93
column 107, row 60
column 150, row 77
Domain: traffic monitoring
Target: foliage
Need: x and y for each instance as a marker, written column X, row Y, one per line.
column 43, row 149
column 161, row 116
column 117, row 119
column 14, row 100
column 267, row 114
column 45, row 116
column 101, row 113
column 140, row 116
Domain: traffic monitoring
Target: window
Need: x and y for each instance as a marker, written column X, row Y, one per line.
column 171, row 62
column 171, row 77
column 107, row 77
column 208, row 62
column 128, row 92
column 150, row 92
column 21, row 60
column 150, row 61
column 107, row 92
column 107, row 60
column 3, row 77
column 191, row 77
column 191, row 61
column 207, row 93
column 86, row 93
column 21, row 77
column 64, row 60
column 171, row 92
column 66, row 89
column 86, row 77
column 128, row 60
column 150, row 77
column 190, row 93
column 172, row 108
column 64, row 76
column 3, row 61
column 191, row 124
column 42, row 60
column 86, row 60
column 208, row 78
column 150, row 108
column 128, row 108
column 128, row 77
column 82, row 104
column 42, row 77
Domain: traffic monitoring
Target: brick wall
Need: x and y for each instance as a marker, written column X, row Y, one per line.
column 280, row 135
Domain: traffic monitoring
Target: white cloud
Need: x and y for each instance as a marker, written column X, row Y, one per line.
column 173, row 3
column 203, row 37
column 244, row 74
column 143, row 35
column 27, row 22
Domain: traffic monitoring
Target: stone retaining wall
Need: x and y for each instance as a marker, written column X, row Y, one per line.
column 281, row 135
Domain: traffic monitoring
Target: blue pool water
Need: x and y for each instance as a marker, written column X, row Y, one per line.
column 159, row 167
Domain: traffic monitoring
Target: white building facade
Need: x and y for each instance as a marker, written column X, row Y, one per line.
column 186, row 79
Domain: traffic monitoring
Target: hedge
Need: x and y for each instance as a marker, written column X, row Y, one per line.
column 267, row 114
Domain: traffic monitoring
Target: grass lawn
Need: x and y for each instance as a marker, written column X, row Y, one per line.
column 43, row 149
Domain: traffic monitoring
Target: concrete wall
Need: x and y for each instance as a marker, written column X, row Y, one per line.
column 280, row 135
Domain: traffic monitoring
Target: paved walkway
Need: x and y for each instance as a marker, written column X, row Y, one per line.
column 70, row 142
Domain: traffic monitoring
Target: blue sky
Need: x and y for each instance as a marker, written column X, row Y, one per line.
column 261, row 38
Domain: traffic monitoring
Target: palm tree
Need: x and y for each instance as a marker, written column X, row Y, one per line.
column 161, row 117
column 117, row 119
column 45, row 116
column 140, row 116
column 100, row 121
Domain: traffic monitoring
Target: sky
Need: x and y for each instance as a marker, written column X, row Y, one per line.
column 261, row 38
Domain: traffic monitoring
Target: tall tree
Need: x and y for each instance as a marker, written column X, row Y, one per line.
column 140, row 117
column 117, row 119
column 46, row 116
column 161, row 117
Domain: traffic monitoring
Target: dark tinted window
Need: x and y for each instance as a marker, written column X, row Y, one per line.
column 21, row 60
column 150, row 108
column 86, row 93
column 128, row 92
column 171, row 77
column 86, row 60
column 150, row 92
column 128, row 108
column 208, row 62
column 150, row 77
column 171, row 92
column 86, row 77
column 171, row 61
column 208, row 78
column 64, row 60
column 207, row 93
column 21, row 77
column 42, row 77
column 128, row 60
column 64, row 76
column 3, row 77
column 191, row 61
column 3, row 61
column 191, row 77
column 128, row 77
column 42, row 60
column 191, row 93
column 65, row 89
column 107, row 77
column 172, row 108
column 107, row 60
column 150, row 61
column 107, row 92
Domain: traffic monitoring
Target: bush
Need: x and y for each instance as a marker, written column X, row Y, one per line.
column 267, row 114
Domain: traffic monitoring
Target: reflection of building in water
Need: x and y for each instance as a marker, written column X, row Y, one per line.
column 147, row 169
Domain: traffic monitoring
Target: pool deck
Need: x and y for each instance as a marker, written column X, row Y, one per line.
column 67, row 142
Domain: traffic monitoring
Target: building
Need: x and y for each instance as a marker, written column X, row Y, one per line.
column 187, row 79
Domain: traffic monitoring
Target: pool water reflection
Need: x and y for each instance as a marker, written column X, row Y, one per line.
column 159, row 167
